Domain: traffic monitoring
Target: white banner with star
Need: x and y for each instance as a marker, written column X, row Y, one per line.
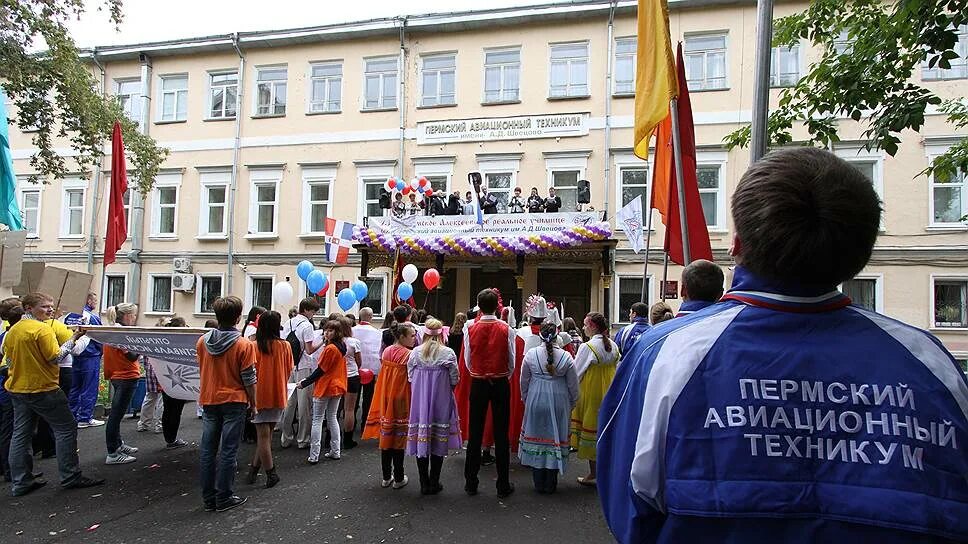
column 171, row 350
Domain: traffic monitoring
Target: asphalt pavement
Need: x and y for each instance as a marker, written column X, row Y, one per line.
column 157, row 499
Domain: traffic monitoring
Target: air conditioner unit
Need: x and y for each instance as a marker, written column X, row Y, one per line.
column 182, row 265
column 183, row 282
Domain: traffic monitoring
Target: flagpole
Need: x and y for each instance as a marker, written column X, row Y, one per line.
column 665, row 274
column 680, row 181
column 648, row 243
column 759, row 138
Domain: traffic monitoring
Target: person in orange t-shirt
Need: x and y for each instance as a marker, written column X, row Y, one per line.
column 122, row 370
column 330, row 385
column 273, row 364
column 226, row 364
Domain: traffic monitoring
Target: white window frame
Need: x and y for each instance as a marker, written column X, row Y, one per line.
column 248, row 302
column 151, row 296
column 167, row 180
column 436, row 167
column 224, row 87
column 626, row 161
column 317, row 175
column 942, row 277
column 303, row 292
column 932, row 150
column 179, row 94
column 860, row 155
column 381, row 105
column 503, row 66
column 716, row 33
column 208, row 180
column 878, row 288
column 23, row 187
column 327, row 99
column 383, row 170
column 569, row 84
column 501, row 164
column 259, row 177
column 615, row 59
column 273, row 92
column 716, row 158
column 384, row 294
column 617, row 277
column 135, row 100
column 775, row 65
column 69, row 185
column 564, row 162
column 437, row 74
column 959, row 68
column 103, row 299
column 198, row 291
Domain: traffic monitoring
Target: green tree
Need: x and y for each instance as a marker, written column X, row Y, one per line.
column 56, row 94
column 868, row 76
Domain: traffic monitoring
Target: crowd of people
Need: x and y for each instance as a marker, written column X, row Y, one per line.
column 490, row 203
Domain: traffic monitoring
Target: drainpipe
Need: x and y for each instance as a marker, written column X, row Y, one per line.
column 236, row 151
column 138, row 199
column 403, row 92
column 97, row 178
column 608, row 103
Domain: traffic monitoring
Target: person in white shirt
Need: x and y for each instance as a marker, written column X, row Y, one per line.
column 354, row 359
column 301, row 400
column 370, row 339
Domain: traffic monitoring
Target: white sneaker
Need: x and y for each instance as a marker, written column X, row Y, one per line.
column 386, row 483
column 95, row 423
column 401, row 483
column 124, row 448
column 118, row 458
column 142, row 428
column 158, row 430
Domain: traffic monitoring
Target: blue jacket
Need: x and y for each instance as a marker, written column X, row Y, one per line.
column 785, row 415
column 89, row 317
column 627, row 335
column 692, row 306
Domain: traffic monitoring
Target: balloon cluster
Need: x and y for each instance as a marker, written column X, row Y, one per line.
column 318, row 283
column 419, row 186
column 431, row 279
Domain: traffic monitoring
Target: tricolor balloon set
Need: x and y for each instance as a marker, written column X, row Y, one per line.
column 318, row 283
column 431, row 279
column 418, row 186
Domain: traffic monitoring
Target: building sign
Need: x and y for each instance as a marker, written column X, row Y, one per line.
column 495, row 225
column 670, row 289
column 503, row 128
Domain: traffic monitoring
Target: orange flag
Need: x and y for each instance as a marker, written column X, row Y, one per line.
column 664, row 170
column 655, row 77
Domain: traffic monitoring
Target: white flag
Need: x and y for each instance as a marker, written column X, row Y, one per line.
column 630, row 219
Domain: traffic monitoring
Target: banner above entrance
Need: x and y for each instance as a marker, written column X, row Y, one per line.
column 525, row 127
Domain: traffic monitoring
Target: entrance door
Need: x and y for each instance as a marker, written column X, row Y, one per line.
column 503, row 280
column 569, row 287
column 440, row 303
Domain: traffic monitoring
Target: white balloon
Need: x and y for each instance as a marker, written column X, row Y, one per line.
column 282, row 293
column 410, row 273
column 414, row 183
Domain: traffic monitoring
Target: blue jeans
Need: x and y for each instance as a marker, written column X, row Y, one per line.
column 83, row 395
column 222, row 426
column 52, row 407
column 120, row 399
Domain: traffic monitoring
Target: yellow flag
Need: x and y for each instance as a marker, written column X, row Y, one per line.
column 655, row 76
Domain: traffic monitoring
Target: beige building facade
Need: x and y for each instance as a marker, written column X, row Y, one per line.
column 271, row 131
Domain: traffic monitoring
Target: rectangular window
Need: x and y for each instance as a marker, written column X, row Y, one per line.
column 213, row 201
column 210, row 288
column 262, row 292
column 438, row 80
column 629, row 292
column 843, row 44
column 321, row 300
column 862, row 291
column 325, row 87
column 710, row 185
column 128, row 92
column 264, row 206
column 950, row 299
column 565, row 183
column 949, row 198
column 72, row 220
column 223, row 89
column 625, row 65
column 270, row 90
column 569, row 70
column 499, row 183
column 30, row 210
column 161, row 294
column 635, row 182
column 126, row 202
column 114, row 290
column 502, row 75
column 784, row 66
column 959, row 66
column 164, row 212
column 374, row 295
column 174, row 98
column 371, row 196
column 316, row 196
column 705, row 58
column 380, row 83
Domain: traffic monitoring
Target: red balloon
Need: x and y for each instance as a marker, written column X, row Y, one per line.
column 423, row 181
column 322, row 292
column 429, row 192
column 406, row 190
column 431, row 279
column 391, row 184
column 366, row 376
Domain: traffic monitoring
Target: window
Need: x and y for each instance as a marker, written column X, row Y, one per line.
column 499, row 183
column 322, row 300
column 569, row 70
column 843, row 43
column 270, row 90
column 325, row 87
column 264, row 201
column 72, row 208
column 949, row 199
column 317, row 183
column 371, row 178
column 223, row 92
column 164, row 209
column 371, row 203
column 126, row 203
column 374, row 295
column 174, row 98
column 502, row 75
column 635, row 182
column 710, row 193
column 261, row 289
column 962, row 363
column 950, row 299
column 128, row 92
column 629, row 292
column 438, row 80
column 30, row 210
column 161, row 294
column 959, row 66
column 565, row 183
column 437, row 170
column 784, row 66
column 624, row 68
column 864, row 292
column 214, row 199
column 210, row 288
column 114, row 290
column 705, row 57
column 380, row 83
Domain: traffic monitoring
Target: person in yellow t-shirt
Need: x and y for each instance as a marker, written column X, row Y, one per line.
column 32, row 349
column 44, row 439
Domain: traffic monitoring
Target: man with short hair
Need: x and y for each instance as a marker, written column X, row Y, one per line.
column 370, row 339
column 488, row 201
column 553, row 203
column 784, row 413
column 34, row 353
column 226, row 367
column 702, row 286
column 638, row 323
column 401, row 314
column 300, row 403
column 87, row 368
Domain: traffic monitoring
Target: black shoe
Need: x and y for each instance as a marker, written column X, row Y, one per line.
column 47, row 454
column 470, row 488
column 348, row 442
column 271, row 478
column 505, row 493
column 231, row 503
column 435, row 488
column 487, row 459
column 34, row 486
column 252, row 475
column 84, row 482
column 209, row 506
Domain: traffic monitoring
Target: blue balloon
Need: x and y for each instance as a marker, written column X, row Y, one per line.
column 421, row 189
column 303, row 269
column 359, row 290
column 315, row 281
column 404, row 291
column 400, row 185
column 346, row 299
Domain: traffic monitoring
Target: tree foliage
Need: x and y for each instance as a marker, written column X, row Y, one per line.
column 57, row 96
column 868, row 78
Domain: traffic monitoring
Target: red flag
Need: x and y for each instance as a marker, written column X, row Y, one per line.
column 699, row 247
column 117, row 231
column 397, row 280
